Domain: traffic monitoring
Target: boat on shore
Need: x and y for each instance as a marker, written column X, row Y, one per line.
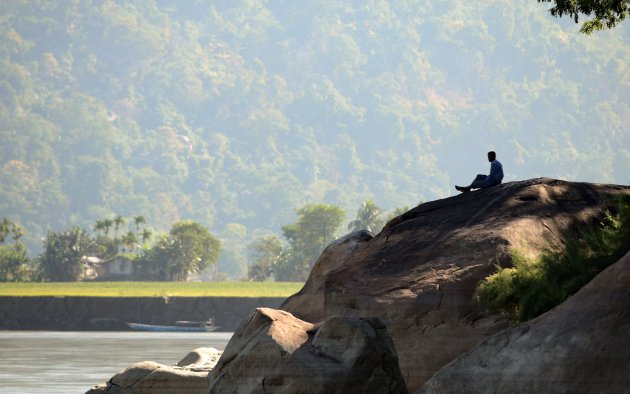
column 179, row 326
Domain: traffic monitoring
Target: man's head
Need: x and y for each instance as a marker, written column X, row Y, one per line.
column 491, row 156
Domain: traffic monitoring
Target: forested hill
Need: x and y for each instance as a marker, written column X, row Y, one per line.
column 235, row 113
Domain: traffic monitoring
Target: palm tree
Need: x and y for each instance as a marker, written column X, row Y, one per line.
column 99, row 226
column 16, row 232
column 138, row 220
column 4, row 229
column 129, row 240
column 107, row 223
column 146, row 234
column 118, row 221
column 368, row 218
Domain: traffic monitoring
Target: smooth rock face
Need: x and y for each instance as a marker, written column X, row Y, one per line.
column 419, row 274
column 309, row 302
column 274, row 352
column 581, row 346
column 189, row 376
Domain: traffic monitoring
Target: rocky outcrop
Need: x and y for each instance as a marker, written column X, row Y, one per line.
column 412, row 285
column 580, row 346
column 419, row 274
column 274, row 352
column 189, row 376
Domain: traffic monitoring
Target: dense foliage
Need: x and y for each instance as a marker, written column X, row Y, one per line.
column 369, row 217
column 606, row 13
column 316, row 227
column 233, row 114
column 530, row 288
column 61, row 259
column 189, row 248
column 75, row 255
column 13, row 256
column 264, row 254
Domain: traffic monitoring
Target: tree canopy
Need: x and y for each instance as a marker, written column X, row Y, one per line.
column 189, row 248
column 13, row 256
column 369, row 217
column 316, row 227
column 264, row 254
column 61, row 259
column 606, row 13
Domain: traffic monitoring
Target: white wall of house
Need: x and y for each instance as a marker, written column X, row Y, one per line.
column 120, row 267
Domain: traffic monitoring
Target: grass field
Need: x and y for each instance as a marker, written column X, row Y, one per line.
column 151, row 289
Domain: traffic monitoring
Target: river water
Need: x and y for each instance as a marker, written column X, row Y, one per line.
column 72, row 362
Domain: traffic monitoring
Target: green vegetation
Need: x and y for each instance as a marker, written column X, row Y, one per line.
column 530, row 288
column 75, row 255
column 235, row 114
column 13, row 258
column 369, row 217
column 316, row 227
column 151, row 289
column 264, row 253
column 61, row 259
column 606, row 13
column 189, row 248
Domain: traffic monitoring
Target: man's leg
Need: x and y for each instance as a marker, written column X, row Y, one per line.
column 466, row 189
column 480, row 182
column 463, row 189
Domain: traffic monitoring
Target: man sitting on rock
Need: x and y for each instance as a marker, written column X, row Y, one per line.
column 484, row 181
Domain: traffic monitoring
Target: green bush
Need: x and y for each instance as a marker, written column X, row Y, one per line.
column 530, row 288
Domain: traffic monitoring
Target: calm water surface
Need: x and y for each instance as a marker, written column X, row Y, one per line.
column 72, row 362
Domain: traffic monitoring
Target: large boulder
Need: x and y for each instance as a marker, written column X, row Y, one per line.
column 333, row 257
column 274, row 352
column 581, row 346
column 188, row 376
column 419, row 274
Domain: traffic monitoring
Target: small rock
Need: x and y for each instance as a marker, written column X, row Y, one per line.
column 189, row 376
column 203, row 358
